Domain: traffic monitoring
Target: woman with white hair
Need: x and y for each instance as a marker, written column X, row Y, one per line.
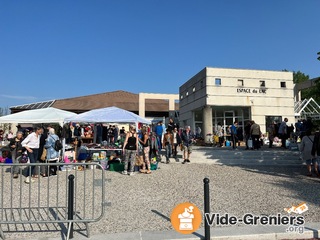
column 52, row 154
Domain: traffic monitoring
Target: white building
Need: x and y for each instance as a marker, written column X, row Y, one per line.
column 227, row 95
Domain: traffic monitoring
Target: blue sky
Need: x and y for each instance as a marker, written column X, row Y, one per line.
column 61, row 49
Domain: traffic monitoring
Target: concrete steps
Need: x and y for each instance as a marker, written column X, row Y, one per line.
column 228, row 156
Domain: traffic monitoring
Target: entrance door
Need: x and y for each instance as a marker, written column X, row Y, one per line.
column 229, row 119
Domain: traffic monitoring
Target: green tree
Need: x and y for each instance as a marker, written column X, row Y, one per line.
column 315, row 91
column 299, row 77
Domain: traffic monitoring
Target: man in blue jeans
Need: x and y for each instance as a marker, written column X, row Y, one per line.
column 31, row 144
column 234, row 137
column 159, row 132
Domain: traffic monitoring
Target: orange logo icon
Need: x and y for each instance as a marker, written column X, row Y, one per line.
column 186, row 218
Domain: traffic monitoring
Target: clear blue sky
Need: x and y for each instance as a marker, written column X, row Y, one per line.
column 61, row 49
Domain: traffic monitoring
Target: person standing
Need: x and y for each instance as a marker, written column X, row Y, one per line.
column 219, row 133
column 42, row 142
column 187, row 140
column 234, row 135
column 283, row 132
column 247, row 133
column 176, row 142
column 255, row 133
column 172, row 125
column 52, row 154
column 159, row 132
column 198, row 132
column 168, row 144
column 99, row 133
column 130, row 149
column 315, row 151
column 31, row 143
column 146, row 142
column 306, row 148
column 16, row 151
column 116, row 133
column 77, row 132
column 271, row 133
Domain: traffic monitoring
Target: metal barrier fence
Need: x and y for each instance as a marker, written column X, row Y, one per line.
column 46, row 199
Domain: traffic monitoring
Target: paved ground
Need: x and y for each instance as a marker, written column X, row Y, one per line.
column 265, row 176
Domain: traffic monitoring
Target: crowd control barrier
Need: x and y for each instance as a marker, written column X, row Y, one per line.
column 75, row 195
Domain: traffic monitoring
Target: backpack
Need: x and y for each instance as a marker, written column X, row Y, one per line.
column 57, row 145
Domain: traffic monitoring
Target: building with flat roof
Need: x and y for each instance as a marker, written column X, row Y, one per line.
column 227, row 95
column 149, row 105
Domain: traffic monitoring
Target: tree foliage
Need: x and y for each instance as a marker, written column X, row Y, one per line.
column 315, row 91
column 299, row 77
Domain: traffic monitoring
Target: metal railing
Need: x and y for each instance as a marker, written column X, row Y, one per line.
column 46, row 200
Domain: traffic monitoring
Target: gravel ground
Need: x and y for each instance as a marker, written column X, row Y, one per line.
column 144, row 202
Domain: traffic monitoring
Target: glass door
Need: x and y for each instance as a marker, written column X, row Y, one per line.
column 229, row 119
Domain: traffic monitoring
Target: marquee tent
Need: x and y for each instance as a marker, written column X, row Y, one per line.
column 43, row 115
column 108, row 115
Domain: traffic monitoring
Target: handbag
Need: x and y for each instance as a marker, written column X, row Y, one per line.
column 44, row 154
column 250, row 143
column 181, row 147
column 23, row 158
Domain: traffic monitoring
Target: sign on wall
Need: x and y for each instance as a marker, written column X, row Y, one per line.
column 249, row 90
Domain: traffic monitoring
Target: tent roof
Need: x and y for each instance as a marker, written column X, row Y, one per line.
column 108, row 115
column 43, row 115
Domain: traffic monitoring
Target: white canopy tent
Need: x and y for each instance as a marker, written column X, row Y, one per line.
column 108, row 115
column 43, row 115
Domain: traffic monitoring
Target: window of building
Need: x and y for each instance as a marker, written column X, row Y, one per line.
column 240, row 82
column 187, row 93
column 193, row 89
column 283, row 84
column 262, row 83
column 201, row 84
column 218, row 81
column 181, row 97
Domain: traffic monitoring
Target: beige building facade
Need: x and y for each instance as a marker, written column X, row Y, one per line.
column 223, row 95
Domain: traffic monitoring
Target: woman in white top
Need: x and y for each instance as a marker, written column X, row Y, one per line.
column 31, row 143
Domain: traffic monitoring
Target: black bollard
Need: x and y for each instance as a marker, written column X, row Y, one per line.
column 70, row 203
column 206, row 208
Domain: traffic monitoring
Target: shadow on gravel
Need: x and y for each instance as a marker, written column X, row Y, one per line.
column 168, row 219
column 43, row 215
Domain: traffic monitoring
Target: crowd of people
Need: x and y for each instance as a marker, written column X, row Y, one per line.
column 39, row 145
column 148, row 142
